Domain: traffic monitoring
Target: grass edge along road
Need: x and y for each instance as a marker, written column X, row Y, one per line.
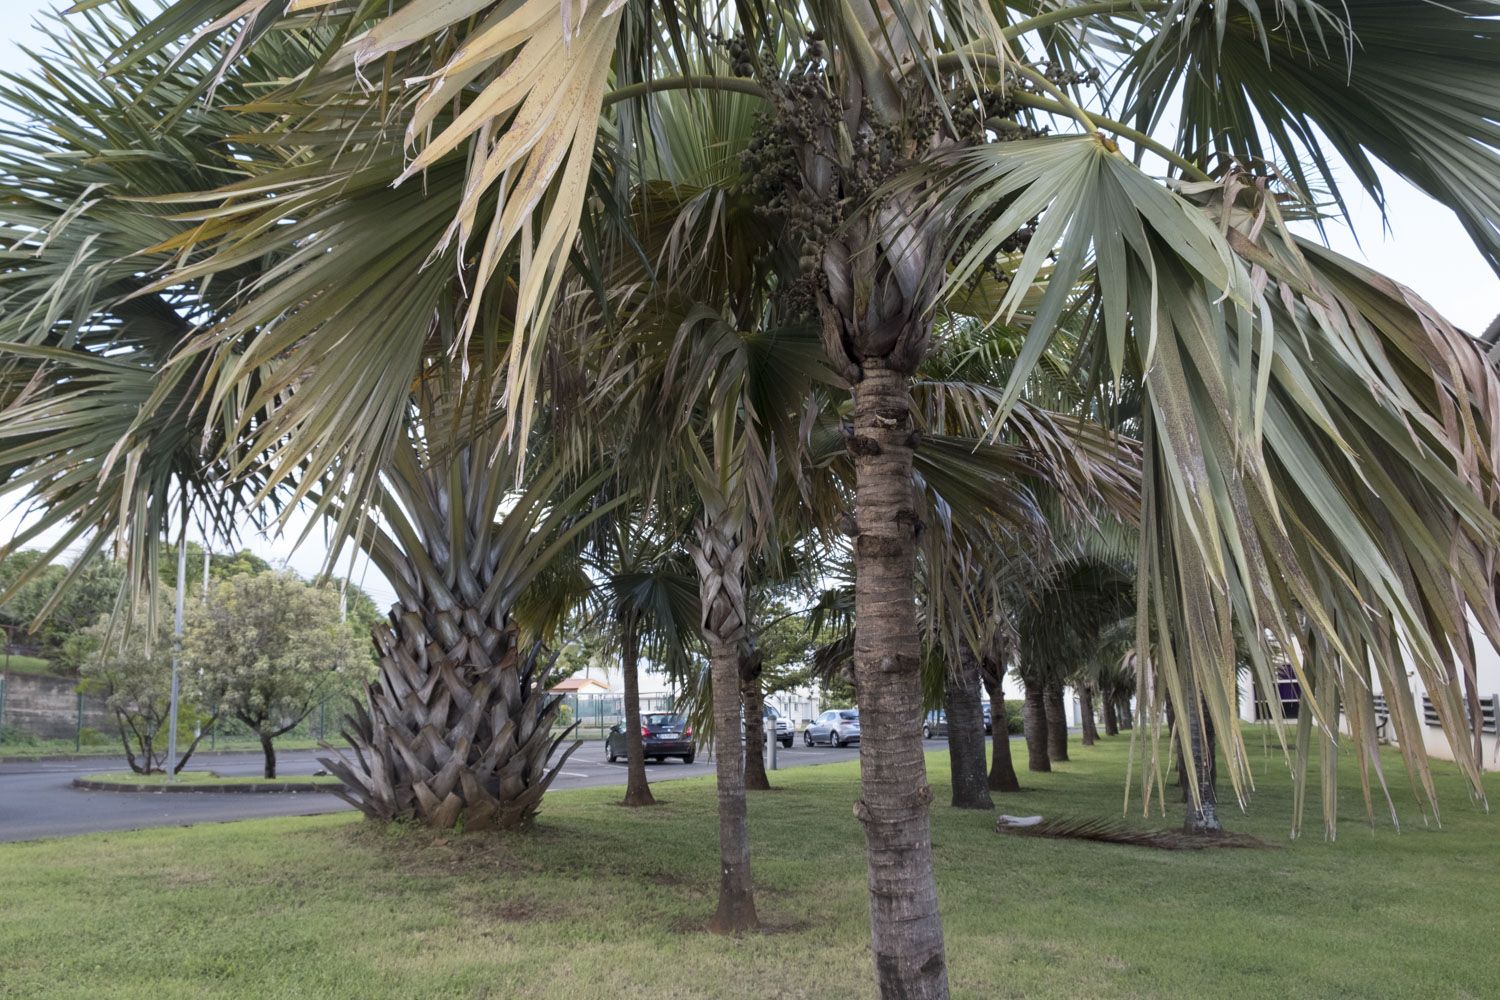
column 192, row 778
column 604, row 901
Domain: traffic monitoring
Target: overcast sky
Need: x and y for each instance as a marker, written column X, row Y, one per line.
column 1425, row 249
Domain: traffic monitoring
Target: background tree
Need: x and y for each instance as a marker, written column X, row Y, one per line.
column 1091, row 595
column 645, row 602
column 993, row 664
column 266, row 649
column 221, row 566
column 43, row 614
column 132, row 672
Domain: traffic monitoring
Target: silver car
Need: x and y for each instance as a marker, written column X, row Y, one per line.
column 835, row 727
column 781, row 725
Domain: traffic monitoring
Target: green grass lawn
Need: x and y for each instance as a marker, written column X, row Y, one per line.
column 205, row 778
column 600, row 901
column 19, row 664
column 108, row 745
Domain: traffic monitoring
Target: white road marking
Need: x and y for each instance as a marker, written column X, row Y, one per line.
column 574, row 774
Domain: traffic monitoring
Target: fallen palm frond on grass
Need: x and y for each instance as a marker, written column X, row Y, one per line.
column 1110, row 831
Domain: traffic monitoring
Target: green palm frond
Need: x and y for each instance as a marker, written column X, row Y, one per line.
column 1272, row 374
column 1312, row 86
column 100, row 436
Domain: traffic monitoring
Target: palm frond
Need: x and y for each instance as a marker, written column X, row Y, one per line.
column 1290, row 404
column 1113, row 831
column 1309, row 87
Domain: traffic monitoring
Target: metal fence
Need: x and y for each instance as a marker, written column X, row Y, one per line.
column 41, row 713
column 597, row 713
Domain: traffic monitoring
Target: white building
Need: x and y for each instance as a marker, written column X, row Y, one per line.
column 1487, row 673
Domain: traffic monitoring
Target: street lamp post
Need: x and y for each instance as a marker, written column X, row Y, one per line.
column 177, row 649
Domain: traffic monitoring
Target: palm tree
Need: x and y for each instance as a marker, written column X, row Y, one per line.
column 101, row 442
column 712, row 388
column 1090, row 594
column 103, row 427
column 1317, row 440
column 648, row 594
column 729, row 445
column 992, row 666
column 458, row 727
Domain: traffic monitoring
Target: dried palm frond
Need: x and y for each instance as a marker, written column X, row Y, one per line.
column 1113, row 831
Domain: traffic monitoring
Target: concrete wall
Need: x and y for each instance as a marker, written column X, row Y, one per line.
column 47, row 708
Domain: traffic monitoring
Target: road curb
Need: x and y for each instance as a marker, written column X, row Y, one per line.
column 68, row 758
column 236, row 788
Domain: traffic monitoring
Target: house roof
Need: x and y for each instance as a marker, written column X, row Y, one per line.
column 576, row 685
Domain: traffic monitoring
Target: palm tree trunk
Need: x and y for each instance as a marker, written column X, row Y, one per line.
column 457, row 727
column 1002, row 768
column 1111, row 720
column 965, row 709
column 637, row 789
column 906, row 929
column 753, row 699
column 1057, row 722
column 720, row 558
column 1034, row 718
column 1086, row 709
column 1122, row 712
column 1179, row 761
column 1203, row 815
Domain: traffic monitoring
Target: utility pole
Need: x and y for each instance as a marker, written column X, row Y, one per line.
column 177, row 644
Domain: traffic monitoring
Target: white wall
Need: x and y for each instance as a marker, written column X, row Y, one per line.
column 1487, row 676
column 1487, row 673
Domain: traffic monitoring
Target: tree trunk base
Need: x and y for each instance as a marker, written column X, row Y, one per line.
column 735, row 915
column 1034, row 716
column 964, row 704
column 636, row 797
column 1203, row 821
column 1003, row 776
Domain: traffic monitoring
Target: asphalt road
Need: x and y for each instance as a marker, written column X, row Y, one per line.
column 37, row 798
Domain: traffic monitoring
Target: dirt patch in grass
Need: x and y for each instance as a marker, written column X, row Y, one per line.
column 688, row 924
column 186, row 877
column 669, row 879
column 698, row 924
column 424, row 853
column 785, row 925
column 516, row 911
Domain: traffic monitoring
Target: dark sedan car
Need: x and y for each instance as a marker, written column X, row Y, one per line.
column 935, row 724
column 663, row 735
